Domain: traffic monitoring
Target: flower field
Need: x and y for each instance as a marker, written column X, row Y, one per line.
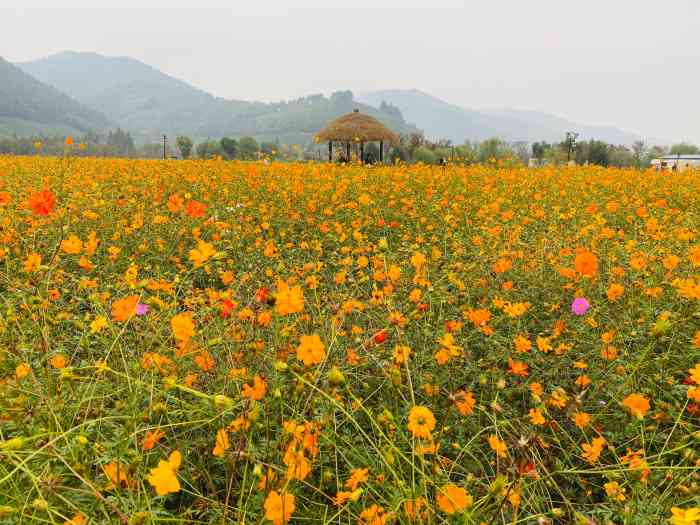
column 226, row 342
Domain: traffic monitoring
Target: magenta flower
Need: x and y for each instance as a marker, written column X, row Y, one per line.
column 142, row 309
column 580, row 306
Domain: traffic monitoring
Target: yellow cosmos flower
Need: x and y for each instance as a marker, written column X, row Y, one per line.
column 163, row 478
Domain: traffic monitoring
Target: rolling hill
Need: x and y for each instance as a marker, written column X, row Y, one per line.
column 149, row 103
column 30, row 107
column 440, row 119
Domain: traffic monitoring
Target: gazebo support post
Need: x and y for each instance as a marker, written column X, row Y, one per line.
column 330, row 151
column 381, row 152
column 362, row 152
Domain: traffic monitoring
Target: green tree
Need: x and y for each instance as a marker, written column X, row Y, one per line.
column 121, row 142
column 269, row 149
column 539, row 149
column 654, row 153
column 466, row 153
column 598, row 152
column 247, row 148
column 493, row 148
column 184, row 144
column 229, row 146
column 208, row 149
column 683, row 148
column 621, row 156
column 425, row 155
column 639, row 149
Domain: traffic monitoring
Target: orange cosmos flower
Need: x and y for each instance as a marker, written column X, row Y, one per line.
column 401, row 354
column 311, row 350
column 152, row 437
column 452, row 499
column 373, row 515
column 695, row 373
column 175, row 203
column 581, row 419
column 592, row 451
column 464, row 402
column 195, row 209
column 32, row 262
column 22, row 370
column 694, row 255
column 288, row 300
column 536, row 417
column 77, row 519
column 421, row 421
column 204, row 361
column 637, row 404
column 72, row 245
column 69, row 141
column 257, row 391
column 517, row 368
column 502, row 266
column 279, row 507
column 202, row 253
column 116, row 473
column 586, row 263
column 670, row 262
column 124, row 309
column 522, row 344
column 222, row 443
column 498, row 446
column 182, row 326
column 42, row 202
column 415, row 508
column 614, row 292
column 357, row 477
column 59, row 361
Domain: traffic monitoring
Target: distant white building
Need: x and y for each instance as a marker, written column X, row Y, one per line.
column 676, row 162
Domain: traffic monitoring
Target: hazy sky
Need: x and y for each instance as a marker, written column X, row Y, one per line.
column 634, row 64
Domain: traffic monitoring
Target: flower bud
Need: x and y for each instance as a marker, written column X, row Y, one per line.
column 336, row 377
column 223, row 402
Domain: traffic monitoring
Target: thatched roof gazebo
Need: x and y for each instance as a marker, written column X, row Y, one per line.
column 358, row 128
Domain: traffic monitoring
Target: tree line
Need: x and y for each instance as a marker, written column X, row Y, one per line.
column 412, row 148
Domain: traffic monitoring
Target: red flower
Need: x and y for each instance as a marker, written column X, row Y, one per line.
column 195, row 209
column 261, row 295
column 451, row 326
column 380, row 337
column 42, row 202
column 226, row 307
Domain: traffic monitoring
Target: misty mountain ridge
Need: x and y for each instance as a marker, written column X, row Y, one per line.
column 30, row 107
column 149, row 103
column 124, row 92
column 443, row 120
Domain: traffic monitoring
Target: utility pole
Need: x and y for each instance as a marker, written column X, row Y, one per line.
column 165, row 138
column 571, row 137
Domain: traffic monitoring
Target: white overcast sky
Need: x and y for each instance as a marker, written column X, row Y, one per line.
column 634, row 64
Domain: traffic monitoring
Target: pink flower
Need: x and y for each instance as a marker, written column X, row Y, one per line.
column 142, row 309
column 580, row 306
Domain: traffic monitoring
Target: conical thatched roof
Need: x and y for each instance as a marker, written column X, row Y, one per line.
column 356, row 127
